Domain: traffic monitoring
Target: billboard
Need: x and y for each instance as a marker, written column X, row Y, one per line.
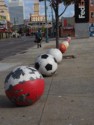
column 82, row 11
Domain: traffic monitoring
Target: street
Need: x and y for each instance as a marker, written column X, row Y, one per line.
column 12, row 46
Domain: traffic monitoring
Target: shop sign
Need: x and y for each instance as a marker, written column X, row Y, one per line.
column 82, row 11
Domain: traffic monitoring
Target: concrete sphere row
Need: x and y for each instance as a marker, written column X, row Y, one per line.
column 24, row 85
column 63, row 46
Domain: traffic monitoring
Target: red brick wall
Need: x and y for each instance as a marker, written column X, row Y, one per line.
column 66, row 32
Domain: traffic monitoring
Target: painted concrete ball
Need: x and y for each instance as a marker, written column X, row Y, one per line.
column 56, row 53
column 69, row 39
column 62, row 48
column 24, row 85
column 46, row 64
column 66, row 43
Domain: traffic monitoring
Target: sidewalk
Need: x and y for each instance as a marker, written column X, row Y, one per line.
column 69, row 94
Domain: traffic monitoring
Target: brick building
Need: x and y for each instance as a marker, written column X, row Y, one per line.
column 84, row 18
column 91, row 11
column 67, row 27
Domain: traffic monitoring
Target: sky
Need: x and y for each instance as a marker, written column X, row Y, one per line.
column 28, row 6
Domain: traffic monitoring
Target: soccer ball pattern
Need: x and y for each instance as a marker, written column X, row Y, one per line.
column 24, row 85
column 46, row 64
column 56, row 53
column 20, row 75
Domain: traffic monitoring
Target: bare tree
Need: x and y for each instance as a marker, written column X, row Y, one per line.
column 55, row 5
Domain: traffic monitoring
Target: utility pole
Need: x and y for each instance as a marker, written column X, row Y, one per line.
column 46, row 21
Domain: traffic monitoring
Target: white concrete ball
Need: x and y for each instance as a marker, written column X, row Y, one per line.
column 56, row 53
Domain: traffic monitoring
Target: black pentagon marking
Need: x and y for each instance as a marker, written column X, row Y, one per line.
column 31, row 78
column 10, row 87
column 17, row 73
column 37, row 65
column 8, row 76
column 33, row 70
column 45, row 56
column 48, row 67
column 22, row 82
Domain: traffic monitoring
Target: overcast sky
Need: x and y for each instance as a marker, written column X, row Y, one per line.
column 29, row 9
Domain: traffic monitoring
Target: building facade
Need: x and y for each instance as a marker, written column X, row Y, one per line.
column 66, row 27
column 4, row 12
column 36, row 17
column 37, row 21
column 84, row 18
column 16, row 10
column 4, row 17
column 91, row 11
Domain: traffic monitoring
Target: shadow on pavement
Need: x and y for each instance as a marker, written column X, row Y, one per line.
column 69, row 57
column 5, row 103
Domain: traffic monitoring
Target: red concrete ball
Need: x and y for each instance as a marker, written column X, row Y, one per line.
column 62, row 48
column 24, row 85
column 26, row 93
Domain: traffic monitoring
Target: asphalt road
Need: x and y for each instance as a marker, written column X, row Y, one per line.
column 12, row 46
